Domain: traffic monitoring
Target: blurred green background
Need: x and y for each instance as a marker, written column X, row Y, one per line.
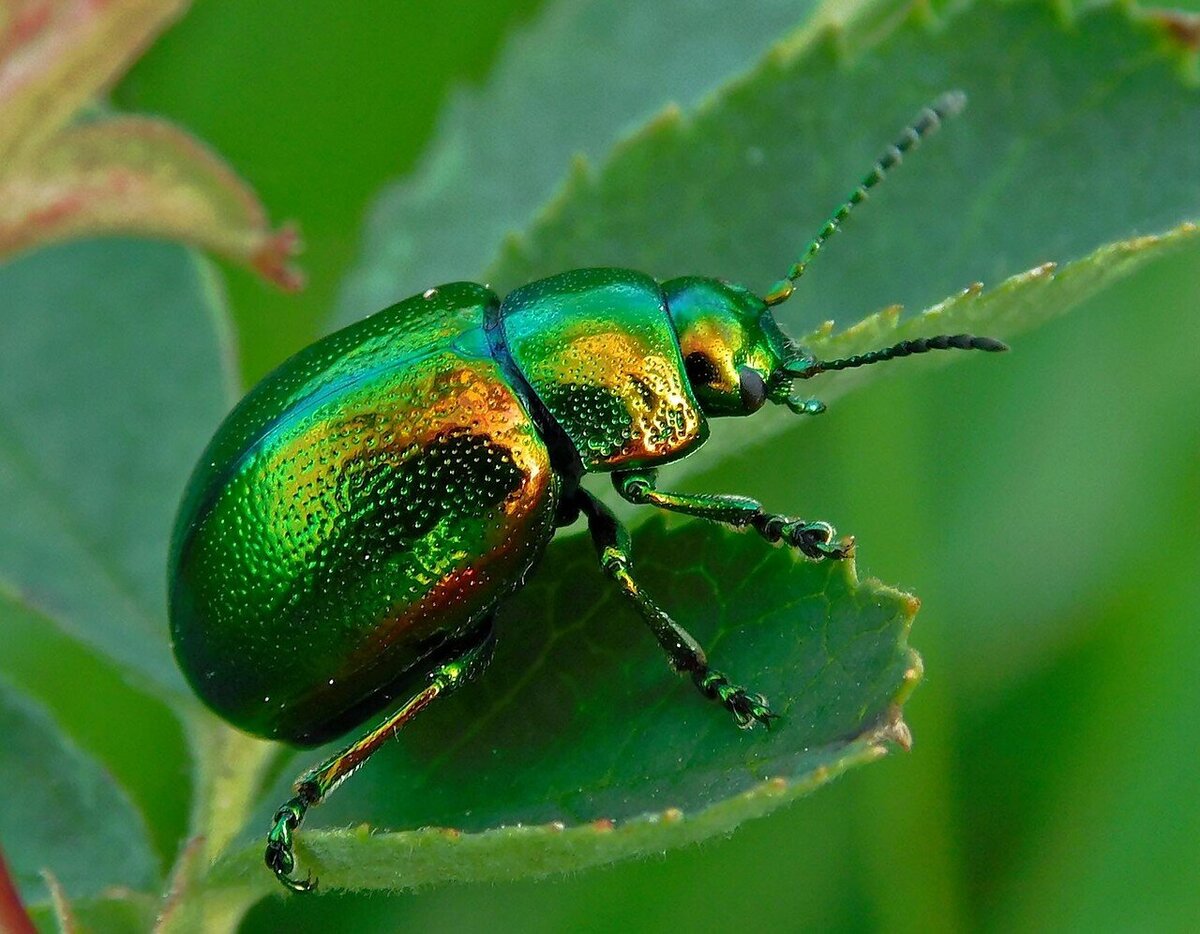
column 1048, row 516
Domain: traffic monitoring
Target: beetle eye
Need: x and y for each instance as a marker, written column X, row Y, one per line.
column 700, row 369
column 753, row 389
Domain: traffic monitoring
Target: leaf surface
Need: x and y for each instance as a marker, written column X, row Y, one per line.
column 94, row 705
column 72, row 818
column 116, row 371
column 1095, row 143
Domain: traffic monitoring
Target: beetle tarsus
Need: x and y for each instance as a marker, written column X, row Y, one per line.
column 816, row 540
column 279, row 856
column 747, row 708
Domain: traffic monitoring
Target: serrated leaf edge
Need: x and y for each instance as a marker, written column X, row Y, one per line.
column 339, row 856
column 1115, row 260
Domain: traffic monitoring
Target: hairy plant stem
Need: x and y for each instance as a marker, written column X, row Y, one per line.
column 229, row 767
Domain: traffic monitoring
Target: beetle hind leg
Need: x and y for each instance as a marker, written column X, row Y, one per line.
column 683, row 651
column 315, row 785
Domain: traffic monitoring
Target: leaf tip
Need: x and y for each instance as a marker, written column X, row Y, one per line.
column 1179, row 26
column 1044, row 271
column 900, row 734
column 670, row 117
column 273, row 258
column 911, row 678
column 894, row 731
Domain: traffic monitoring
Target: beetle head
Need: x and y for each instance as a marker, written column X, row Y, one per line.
column 732, row 348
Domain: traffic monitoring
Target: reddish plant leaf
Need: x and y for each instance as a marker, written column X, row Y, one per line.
column 138, row 175
column 13, row 917
column 56, row 55
column 128, row 175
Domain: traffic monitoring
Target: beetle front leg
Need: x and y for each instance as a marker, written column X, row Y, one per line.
column 683, row 652
column 315, row 785
column 814, row 539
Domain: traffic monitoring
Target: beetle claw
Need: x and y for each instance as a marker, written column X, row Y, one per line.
column 816, row 540
column 279, row 856
column 747, row 708
column 308, row 884
column 845, row 548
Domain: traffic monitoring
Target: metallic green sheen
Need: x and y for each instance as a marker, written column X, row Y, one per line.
column 371, row 500
column 724, row 328
column 598, row 348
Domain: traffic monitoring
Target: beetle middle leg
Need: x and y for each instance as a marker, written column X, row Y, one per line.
column 315, row 785
column 817, row 540
column 612, row 543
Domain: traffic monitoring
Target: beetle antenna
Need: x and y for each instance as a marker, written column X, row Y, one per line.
column 903, row 349
column 926, row 122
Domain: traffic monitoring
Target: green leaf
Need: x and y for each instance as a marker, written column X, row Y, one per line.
column 579, row 746
column 1080, row 131
column 86, row 695
column 572, row 82
column 116, row 370
column 72, row 818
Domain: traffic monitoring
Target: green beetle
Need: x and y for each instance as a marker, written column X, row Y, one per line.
column 349, row 532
